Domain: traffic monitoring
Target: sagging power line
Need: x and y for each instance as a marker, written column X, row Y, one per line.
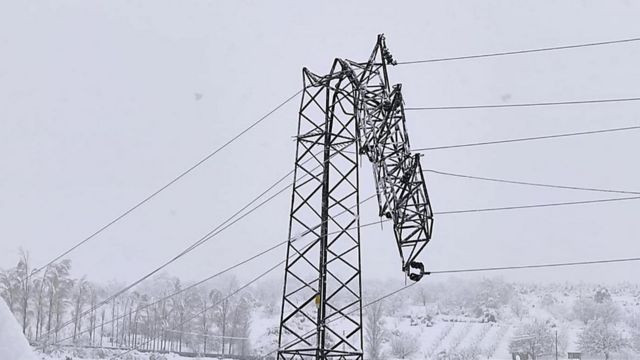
column 213, row 233
column 530, row 138
column 252, row 125
column 225, row 224
column 165, row 186
column 533, row 104
column 517, row 52
column 528, row 183
column 209, row 278
column 300, row 236
column 537, row 266
column 233, row 219
column 207, row 308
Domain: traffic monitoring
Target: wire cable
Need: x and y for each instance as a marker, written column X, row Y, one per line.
column 211, row 234
column 536, row 266
column 531, row 138
column 516, row 52
column 503, row 208
column 493, row 106
column 108, row 299
column 162, row 188
column 499, row 268
column 220, row 228
column 184, row 173
column 520, row 207
column 530, row 183
column 255, row 279
column 224, row 271
column 375, row 301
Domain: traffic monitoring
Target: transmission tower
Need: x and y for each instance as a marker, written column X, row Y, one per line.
column 351, row 111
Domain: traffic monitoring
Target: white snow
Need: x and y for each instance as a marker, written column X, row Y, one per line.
column 13, row 344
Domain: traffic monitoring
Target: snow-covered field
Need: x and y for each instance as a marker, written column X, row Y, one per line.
column 453, row 321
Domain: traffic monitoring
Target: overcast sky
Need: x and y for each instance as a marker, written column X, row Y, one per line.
column 102, row 103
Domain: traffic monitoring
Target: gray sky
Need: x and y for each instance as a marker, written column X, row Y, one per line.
column 98, row 109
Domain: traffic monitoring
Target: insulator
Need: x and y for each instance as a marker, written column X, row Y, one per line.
column 417, row 275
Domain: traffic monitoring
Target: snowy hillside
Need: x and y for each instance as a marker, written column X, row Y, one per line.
column 13, row 344
column 453, row 320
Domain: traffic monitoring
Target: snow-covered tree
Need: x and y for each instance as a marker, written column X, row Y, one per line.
column 518, row 308
column 374, row 332
column 587, row 309
column 600, row 337
column 23, row 278
column 468, row 353
column 404, row 345
column 534, row 338
column 602, row 295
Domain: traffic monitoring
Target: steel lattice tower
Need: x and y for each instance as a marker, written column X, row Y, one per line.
column 352, row 111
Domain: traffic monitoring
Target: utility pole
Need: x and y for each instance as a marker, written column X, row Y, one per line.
column 350, row 112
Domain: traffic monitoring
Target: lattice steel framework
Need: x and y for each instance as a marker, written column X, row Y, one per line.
column 351, row 111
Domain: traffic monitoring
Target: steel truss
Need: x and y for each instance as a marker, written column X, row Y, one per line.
column 351, row 111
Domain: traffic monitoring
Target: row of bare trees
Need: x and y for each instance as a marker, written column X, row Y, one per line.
column 52, row 307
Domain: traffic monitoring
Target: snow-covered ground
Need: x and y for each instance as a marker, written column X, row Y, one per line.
column 13, row 345
column 440, row 326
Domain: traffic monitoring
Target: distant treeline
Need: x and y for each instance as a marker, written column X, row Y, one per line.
column 54, row 308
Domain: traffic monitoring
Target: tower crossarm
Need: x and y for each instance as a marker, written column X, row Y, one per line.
column 383, row 138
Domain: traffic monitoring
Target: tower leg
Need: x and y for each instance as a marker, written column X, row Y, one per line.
column 321, row 309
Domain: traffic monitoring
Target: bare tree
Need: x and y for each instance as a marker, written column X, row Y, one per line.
column 222, row 312
column 518, row 308
column 39, row 285
column 587, row 309
column 79, row 297
column 374, row 332
column 240, row 326
column 404, row 345
column 23, row 277
column 59, row 286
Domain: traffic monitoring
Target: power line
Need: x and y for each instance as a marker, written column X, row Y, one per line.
column 232, row 267
column 516, row 52
column 366, row 225
column 531, row 138
column 493, row 106
column 341, row 315
column 255, row 279
column 214, row 232
column 507, row 208
column 252, row 281
column 530, row 183
column 184, row 173
column 224, row 271
column 503, row 208
column 500, row 268
column 536, row 266
column 520, row 207
column 211, row 234
column 220, row 228
column 174, row 180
